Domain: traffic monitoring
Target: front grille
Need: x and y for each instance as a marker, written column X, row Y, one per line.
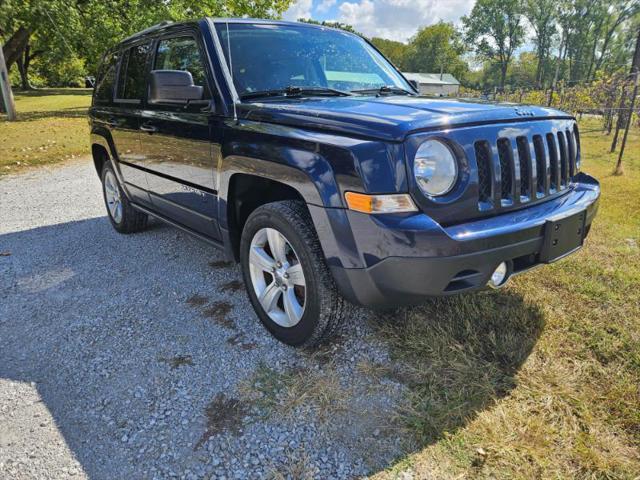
column 526, row 168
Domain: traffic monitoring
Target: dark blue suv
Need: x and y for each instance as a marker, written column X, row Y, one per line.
column 308, row 157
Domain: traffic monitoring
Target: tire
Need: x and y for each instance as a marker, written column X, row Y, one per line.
column 323, row 307
column 124, row 218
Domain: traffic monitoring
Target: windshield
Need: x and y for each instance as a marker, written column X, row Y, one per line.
column 268, row 57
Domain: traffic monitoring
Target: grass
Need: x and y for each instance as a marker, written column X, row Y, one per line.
column 51, row 127
column 541, row 379
column 281, row 393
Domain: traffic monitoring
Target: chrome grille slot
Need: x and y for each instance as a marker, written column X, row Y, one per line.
column 564, row 160
column 483, row 160
column 524, row 158
column 554, row 160
column 505, row 153
column 572, row 153
column 542, row 172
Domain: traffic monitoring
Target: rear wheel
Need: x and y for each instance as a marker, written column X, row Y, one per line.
column 123, row 217
column 287, row 279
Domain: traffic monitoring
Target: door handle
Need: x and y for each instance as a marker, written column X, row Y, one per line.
column 145, row 127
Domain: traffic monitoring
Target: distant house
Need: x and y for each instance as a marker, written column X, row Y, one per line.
column 435, row 84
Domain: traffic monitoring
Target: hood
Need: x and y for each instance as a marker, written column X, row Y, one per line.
column 388, row 117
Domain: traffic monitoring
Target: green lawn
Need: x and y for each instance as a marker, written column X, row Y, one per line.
column 52, row 126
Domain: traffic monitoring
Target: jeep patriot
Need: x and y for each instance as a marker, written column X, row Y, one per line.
column 307, row 156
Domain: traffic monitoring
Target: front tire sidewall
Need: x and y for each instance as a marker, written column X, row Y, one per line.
column 300, row 333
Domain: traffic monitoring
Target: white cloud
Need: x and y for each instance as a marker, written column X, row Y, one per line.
column 325, row 5
column 300, row 9
column 400, row 19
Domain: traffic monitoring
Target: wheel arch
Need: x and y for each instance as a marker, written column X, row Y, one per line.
column 246, row 192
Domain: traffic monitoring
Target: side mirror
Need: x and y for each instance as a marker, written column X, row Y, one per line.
column 415, row 85
column 173, row 86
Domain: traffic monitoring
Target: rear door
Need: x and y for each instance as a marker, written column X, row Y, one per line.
column 180, row 143
column 125, row 120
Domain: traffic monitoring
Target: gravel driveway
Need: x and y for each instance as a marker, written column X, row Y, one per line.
column 139, row 356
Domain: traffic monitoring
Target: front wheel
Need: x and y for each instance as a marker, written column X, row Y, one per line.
column 287, row 278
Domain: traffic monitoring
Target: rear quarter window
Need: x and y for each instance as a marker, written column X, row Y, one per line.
column 105, row 82
column 133, row 68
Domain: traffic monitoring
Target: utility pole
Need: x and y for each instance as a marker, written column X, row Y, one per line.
column 635, row 70
column 5, row 89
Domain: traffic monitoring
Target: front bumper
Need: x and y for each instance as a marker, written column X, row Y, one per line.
column 410, row 258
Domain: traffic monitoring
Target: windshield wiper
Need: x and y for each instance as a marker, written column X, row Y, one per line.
column 295, row 92
column 385, row 89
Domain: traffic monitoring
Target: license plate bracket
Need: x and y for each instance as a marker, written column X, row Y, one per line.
column 563, row 236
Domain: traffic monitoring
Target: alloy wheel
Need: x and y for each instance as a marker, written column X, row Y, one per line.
column 277, row 277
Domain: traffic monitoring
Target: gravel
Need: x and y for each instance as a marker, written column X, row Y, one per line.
column 135, row 356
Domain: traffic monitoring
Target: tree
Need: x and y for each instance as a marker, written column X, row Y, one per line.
column 339, row 25
column 495, row 28
column 395, row 51
column 436, row 48
column 84, row 29
column 541, row 15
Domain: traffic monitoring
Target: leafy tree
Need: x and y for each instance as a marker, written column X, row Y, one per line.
column 495, row 28
column 84, row 29
column 542, row 16
column 436, row 48
column 395, row 51
column 325, row 23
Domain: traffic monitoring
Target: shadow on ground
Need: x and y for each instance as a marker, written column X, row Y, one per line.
column 45, row 92
column 70, row 112
column 91, row 317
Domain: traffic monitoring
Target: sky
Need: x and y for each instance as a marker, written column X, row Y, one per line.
column 392, row 19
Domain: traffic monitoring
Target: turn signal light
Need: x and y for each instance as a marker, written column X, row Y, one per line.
column 394, row 203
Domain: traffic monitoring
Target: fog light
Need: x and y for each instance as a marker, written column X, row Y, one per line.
column 499, row 276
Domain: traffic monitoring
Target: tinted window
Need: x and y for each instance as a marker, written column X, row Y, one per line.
column 106, row 78
column 267, row 57
column 131, row 81
column 182, row 53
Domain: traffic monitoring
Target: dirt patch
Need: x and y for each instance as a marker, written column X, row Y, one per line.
column 197, row 300
column 219, row 313
column 232, row 286
column 238, row 341
column 223, row 414
column 177, row 361
column 220, row 264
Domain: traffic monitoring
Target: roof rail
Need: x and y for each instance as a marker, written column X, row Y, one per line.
column 164, row 23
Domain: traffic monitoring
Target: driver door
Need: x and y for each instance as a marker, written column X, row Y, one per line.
column 181, row 143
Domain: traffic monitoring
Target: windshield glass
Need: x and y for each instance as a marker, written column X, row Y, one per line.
column 273, row 57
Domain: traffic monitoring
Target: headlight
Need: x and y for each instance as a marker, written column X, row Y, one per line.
column 435, row 168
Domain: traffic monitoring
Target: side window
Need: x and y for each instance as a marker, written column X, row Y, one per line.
column 131, row 81
column 182, row 53
column 106, row 79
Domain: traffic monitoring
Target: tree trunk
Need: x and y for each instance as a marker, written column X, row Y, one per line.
column 23, row 67
column 15, row 46
column 503, row 74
